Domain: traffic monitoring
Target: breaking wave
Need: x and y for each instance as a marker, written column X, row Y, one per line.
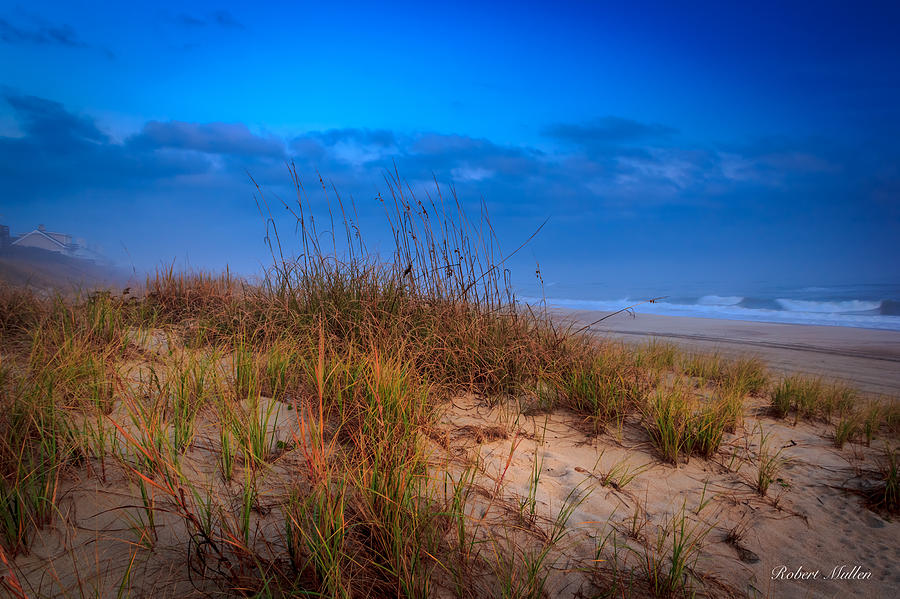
column 874, row 314
column 844, row 307
column 719, row 300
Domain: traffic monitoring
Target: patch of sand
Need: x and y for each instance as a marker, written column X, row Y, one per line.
column 807, row 520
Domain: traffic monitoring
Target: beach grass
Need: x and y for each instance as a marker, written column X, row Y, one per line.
column 313, row 398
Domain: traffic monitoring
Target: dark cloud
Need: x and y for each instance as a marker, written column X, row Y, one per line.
column 189, row 21
column 223, row 18
column 446, row 153
column 61, row 153
column 51, row 35
column 607, row 130
column 63, row 162
column 218, row 18
column 233, row 139
column 48, row 120
column 476, row 166
column 308, row 148
column 79, row 154
column 63, row 35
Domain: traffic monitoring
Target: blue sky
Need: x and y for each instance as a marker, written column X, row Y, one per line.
column 667, row 142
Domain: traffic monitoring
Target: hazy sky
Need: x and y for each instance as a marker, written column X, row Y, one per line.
column 719, row 142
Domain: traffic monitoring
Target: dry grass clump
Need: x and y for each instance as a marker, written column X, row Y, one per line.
column 372, row 528
column 681, row 424
column 33, row 448
column 20, row 310
column 661, row 355
column 707, row 367
column 812, row 398
column 886, row 495
column 769, row 462
column 63, row 371
column 854, row 418
column 606, row 384
column 173, row 297
column 747, row 376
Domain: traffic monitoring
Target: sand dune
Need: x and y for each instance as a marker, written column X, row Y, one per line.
column 584, row 507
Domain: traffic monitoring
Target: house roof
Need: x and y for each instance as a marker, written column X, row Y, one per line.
column 51, row 237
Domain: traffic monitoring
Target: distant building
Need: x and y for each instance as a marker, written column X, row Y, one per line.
column 4, row 237
column 41, row 238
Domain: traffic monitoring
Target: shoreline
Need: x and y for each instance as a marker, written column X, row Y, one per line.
column 857, row 309
column 868, row 359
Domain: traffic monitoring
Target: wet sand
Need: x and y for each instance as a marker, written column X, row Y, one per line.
column 867, row 358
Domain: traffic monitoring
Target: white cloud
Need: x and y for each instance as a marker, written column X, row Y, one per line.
column 468, row 173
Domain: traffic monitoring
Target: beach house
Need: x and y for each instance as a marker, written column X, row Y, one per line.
column 41, row 238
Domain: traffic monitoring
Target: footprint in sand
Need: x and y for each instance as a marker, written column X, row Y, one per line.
column 555, row 468
column 873, row 521
column 557, row 471
column 746, row 556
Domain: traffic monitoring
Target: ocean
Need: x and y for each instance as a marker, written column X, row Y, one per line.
column 873, row 306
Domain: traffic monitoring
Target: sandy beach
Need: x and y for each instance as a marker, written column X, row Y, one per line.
column 869, row 359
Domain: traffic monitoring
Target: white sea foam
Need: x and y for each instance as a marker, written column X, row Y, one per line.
column 845, row 313
column 720, row 300
column 828, row 307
